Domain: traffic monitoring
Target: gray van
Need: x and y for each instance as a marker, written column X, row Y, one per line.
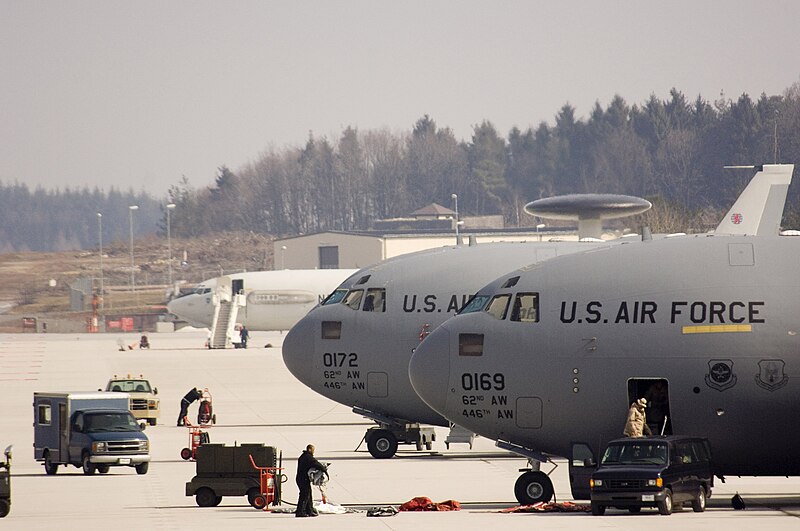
column 660, row 472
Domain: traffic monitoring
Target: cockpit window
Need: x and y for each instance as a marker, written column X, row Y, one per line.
column 499, row 306
column 375, row 300
column 475, row 304
column 525, row 308
column 363, row 280
column 335, row 297
column 353, row 298
column 201, row 290
column 511, row 282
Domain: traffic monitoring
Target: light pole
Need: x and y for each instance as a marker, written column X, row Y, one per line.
column 130, row 225
column 170, row 206
column 454, row 197
column 283, row 257
column 100, row 239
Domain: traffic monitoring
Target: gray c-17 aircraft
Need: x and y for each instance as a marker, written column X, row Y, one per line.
column 358, row 354
column 547, row 359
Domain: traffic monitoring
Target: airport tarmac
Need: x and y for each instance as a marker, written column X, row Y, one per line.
column 257, row 400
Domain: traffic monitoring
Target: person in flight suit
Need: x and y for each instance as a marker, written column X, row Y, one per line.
column 193, row 395
column 306, row 461
column 636, row 425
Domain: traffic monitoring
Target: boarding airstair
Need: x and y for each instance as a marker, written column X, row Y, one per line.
column 226, row 310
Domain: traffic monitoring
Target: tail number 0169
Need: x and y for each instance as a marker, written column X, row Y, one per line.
column 483, row 381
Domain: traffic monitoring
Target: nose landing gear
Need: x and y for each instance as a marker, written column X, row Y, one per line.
column 533, row 486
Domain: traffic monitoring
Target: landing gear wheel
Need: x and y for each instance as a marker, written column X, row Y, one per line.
column 428, row 445
column 382, row 444
column 49, row 466
column 598, row 510
column 252, row 494
column 665, row 506
column 103, row 469
column 419, row 446
column 260, row 502
column 142, row 468
column 152, row 422
column 699, row 502
column 206, row 497
column 5, row 508
column 533, row 487
column 88, row 466
column 214, row 418
column 186, row 454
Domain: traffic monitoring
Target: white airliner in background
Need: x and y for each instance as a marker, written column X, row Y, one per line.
column 275, row 300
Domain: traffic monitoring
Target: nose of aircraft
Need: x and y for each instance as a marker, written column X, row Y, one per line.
column 179, row 307
column 429, row 369
column 298, row 349
column 172, row 306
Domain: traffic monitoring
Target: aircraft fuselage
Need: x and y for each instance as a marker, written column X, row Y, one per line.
column 715, row 318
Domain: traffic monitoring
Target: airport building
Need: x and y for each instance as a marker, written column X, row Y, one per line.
column 427, row 228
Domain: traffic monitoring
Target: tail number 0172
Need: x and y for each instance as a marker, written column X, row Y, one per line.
column 340, row 359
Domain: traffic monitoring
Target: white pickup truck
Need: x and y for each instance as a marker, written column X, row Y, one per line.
column 144, row 404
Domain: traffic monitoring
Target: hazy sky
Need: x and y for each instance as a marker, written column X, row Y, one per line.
column 138, row 93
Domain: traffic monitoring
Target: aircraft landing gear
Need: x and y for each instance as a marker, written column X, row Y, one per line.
column 382, row 444
column 533, row 486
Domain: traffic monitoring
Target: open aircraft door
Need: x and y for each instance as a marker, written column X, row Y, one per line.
column 582, row 464
column 237, row 286
column 656, row 392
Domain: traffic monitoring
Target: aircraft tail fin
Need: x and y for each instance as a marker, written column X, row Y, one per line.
column 759, row 208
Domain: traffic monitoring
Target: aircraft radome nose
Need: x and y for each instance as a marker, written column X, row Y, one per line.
column 298, row 349
column 429, row 369
column 177, row 307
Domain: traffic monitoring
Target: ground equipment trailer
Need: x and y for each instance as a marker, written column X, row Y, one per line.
column 227, row 471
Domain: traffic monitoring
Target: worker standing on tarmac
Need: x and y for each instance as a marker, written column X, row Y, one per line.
column 636, row 425
column 306, row 461
column 244, row 335
column 193, row 395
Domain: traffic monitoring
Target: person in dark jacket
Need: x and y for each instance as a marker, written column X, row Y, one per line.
column 306, row 461
column 244, row 335
column 191, row 396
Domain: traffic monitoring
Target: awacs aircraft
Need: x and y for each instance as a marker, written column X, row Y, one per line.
column 547, row 359
column 273, row 300
column 357, row 353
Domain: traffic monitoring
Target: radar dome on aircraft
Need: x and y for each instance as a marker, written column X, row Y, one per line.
column 588, row 209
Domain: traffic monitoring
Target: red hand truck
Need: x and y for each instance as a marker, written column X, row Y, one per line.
column 269, row 484
column 197, row 436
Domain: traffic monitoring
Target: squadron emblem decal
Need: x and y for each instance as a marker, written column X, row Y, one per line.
column 771, row 375
column 720, row 375
column 736, row 218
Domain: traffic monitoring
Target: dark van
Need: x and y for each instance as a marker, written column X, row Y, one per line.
column 660, row 472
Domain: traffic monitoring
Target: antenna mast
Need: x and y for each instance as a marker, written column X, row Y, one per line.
column 775, row 137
